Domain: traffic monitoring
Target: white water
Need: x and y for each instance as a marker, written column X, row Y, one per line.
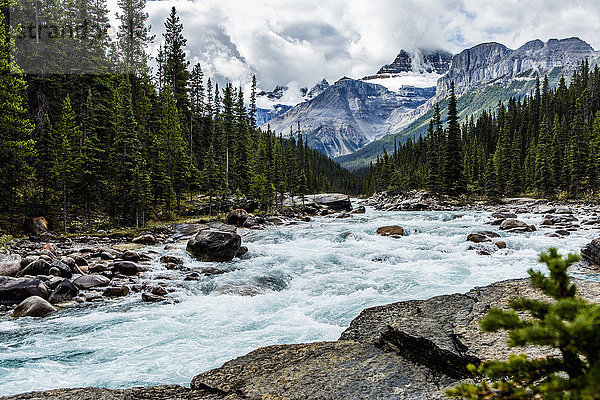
column 308, row 281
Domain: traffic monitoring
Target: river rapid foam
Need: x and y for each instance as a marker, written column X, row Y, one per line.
column 298, row 283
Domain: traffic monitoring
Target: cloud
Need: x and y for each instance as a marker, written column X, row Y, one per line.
column 301, row 42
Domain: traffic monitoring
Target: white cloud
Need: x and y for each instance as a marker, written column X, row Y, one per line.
column 284, row 41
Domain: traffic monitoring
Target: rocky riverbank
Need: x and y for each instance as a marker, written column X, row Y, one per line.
column 406, row 350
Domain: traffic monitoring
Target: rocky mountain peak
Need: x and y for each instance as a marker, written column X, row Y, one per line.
column 418, row 60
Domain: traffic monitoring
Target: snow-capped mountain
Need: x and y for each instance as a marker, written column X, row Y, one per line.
column 484, row 75
column 341, row 118
column 271, row 104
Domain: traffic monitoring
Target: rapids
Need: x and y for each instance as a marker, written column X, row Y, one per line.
column 298, row 283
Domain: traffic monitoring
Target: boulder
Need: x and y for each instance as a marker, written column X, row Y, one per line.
column 237, row 217
column 504, row 215
column 15, row 290
column 501, row 244
column 65, row 270
column 214, row 245
column 65, row 290
column 91, row 281
column 147, row 239
column 243, row 250
column 359, row 210
column 171, row 260
column 130, row 255
column 10, row 264
column 335, row 201
column 591, row 252
column 126, row 268
column 33, row 306
column 116, row 291
column 151, row 298
column 515, row 225
column 37, row 226
column 392, row 230
column 477, row 238
column 38, row 267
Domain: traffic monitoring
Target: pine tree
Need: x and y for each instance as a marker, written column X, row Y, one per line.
column 175, row 67
column 452, row 167
column 568, row 324
column 16, row 144
column 134, row 36
column 543, row 161
column 66, row 134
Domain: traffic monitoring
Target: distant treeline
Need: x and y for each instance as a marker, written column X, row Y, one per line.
column 547, row 144
column 89, row 132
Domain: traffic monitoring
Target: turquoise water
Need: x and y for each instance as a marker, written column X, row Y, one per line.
column 301, row 283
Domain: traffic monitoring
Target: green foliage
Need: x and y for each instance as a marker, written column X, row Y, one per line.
column 569, row 324
column 5, row 241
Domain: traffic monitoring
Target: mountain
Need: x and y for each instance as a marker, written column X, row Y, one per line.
column 271, row 104
column 341, row 118
column 484, row 75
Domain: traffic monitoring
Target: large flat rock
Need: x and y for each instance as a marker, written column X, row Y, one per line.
column 406, row 350
column 323, row 370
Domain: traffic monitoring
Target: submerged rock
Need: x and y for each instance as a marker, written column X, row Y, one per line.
column 214, row 245
column 33, row 306
column 515, row 225
column 392, row 230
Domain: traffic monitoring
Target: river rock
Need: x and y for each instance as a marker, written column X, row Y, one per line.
column 147, row 239
column 37, row 226
column 214, row 245
column 359, row 210
column 477, row 238
column 64, row 291
column 91, row 281
column 392, row 230
column 237, row 217
column 130, row 255
column 243, row 250
column 126, row 268
column 591, row 252
column 33, row 306
column 116, row 291
column 65, row 270
column 171, row 260
column 504, row 215
column 15, row 290
column 10, row 264
column 515, row 225
column 37, row 267
column 171, row 392
column 152, row 298
column 501, row 244
column 334, row 201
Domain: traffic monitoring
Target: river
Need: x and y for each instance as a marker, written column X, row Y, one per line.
column 298, row 283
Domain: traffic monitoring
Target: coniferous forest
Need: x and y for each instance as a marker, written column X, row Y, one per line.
column 545, row 145
column 89, row 131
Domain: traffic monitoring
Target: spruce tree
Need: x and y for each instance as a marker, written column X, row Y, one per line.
column 175, row 66
column 567, row 323
column 134, row 36
column 453, row 174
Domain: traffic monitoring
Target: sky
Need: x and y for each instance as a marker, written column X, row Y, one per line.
column 298, row 43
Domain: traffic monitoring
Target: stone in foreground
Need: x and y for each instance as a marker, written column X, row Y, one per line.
column 214, row 245
column 33, row 306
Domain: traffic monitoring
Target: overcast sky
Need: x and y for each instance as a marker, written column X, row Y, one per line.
column 300, row 42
